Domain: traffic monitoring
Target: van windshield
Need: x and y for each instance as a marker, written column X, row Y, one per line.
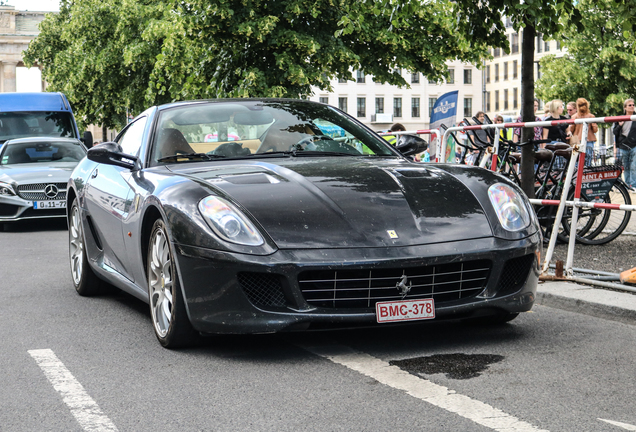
column 35, row 124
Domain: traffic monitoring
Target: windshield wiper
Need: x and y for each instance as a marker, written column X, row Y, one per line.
column 324, row 153
column 190, row 156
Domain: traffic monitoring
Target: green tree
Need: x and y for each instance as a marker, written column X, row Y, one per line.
column 113, row 55
column 599, row 63
column 545, row 16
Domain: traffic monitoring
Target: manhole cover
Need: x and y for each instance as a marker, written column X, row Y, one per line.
column 455, row 366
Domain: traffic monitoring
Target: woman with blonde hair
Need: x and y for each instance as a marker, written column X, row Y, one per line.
column 583, row 111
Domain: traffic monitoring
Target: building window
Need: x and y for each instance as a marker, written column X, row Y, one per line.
column 496, row 100
column 488, row 73
column 451, row 76
column 558, row 45
column 468, row 107
column 415, row 78
column 360, row 77
column 539, row 42
column 488, row 101
column 415, row 107
column 362, row 107
column 505, row 71
column 508, row 22
column 342, row 80
column 342, row 103
column 515, row 100
column 497, row 73
column 468, row 76
column 324, row 99
column 505, row 99
column 538, row 70
column 546, row 46
column 515, row 68
column 431, row 104
column 379, row 105
column 514, row 43
column 497, row 52
column 397, row 107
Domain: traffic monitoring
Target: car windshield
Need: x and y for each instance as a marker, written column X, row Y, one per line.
column 32, row 124
column 41, row 151
column 247, row 129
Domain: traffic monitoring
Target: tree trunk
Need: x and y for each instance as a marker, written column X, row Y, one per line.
column 104, row 133
column 527, row 107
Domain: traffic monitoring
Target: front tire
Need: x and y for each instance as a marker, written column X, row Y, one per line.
column 167, row 307
column 85, row 281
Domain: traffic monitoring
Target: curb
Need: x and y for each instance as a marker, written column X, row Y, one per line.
column 600, row 303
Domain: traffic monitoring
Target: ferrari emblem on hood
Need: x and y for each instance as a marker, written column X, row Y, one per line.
column 392, row 234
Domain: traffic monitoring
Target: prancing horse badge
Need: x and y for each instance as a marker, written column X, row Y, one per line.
column 392, row 233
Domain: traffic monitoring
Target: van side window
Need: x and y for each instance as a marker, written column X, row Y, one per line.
column 130, row 141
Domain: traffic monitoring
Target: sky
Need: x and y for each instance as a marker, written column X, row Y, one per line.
column 35, row 5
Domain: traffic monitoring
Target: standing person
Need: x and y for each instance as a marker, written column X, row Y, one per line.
column 571, row 109
column 625, row 145
column 583, row 111
column 538, row 130
column 503, row 133
column 397, row 127
column 556, row 133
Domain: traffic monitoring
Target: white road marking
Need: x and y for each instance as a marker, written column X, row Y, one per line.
column 82, row 406
column 625, row 426
column 423, row 389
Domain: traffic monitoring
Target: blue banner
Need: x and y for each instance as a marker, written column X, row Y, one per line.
column 445, row 111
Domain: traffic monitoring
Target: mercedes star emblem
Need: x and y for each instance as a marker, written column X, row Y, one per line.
column 50, row 191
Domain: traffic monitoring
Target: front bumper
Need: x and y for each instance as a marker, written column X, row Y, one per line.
column 218, row 300
column 15, row 208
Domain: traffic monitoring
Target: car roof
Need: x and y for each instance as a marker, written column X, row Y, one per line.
column 230, row 100
column 43, row 101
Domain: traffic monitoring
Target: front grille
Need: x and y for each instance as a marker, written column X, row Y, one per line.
column 36, row 191
column 514, row 274
column 32, row 213
column 364, row 288
column 262, row 289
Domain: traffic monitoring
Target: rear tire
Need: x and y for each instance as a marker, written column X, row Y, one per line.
column 170, row 320
column 85, row 281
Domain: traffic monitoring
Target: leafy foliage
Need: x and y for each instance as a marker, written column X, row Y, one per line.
column 600, row 63
column 112, row 55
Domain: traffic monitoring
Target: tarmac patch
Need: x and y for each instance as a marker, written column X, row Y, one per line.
column 455, row 366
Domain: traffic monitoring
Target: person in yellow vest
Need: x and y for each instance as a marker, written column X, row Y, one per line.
column 504, row 133
column 397, row 127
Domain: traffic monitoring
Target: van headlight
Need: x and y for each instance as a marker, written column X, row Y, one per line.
column 228, row 222
column 510, row 207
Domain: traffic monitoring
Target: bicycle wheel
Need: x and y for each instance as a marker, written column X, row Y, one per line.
column 607, row 224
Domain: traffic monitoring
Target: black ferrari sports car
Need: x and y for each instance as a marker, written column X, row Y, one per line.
column 268, row 215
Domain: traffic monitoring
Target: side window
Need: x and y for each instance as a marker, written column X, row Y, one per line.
column 130, row 141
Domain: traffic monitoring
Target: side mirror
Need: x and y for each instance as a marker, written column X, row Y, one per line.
column 87, row 139
column 109, row 153
column 410, row 145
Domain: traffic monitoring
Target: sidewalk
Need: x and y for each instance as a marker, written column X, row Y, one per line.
column 585, row 299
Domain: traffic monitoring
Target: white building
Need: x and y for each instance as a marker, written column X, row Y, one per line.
column 381, row 105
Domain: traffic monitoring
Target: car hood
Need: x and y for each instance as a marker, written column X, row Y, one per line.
column 350, row 202
column 58, row 172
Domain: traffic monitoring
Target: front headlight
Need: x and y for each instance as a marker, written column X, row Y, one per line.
column 509, row 206
column 228, row 222
column 6, row 189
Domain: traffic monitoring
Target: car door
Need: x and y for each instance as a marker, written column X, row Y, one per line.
column 109, row 200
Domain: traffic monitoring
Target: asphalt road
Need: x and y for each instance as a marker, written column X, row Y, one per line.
column 73, row 364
